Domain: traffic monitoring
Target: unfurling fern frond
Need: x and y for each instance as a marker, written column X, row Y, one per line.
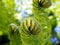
column 30, row 26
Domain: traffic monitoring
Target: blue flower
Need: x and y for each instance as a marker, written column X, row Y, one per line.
column 53, row 39
column 57, row 29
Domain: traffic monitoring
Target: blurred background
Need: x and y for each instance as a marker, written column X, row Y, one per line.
column 20, row 9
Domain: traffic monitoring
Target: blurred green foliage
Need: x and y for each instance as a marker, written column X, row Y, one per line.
column 6, row 15
column 7, row 11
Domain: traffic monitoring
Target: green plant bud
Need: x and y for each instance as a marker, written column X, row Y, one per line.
column 44, row 3
column 14, row 35
column 14, row 28
column 30, row 26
